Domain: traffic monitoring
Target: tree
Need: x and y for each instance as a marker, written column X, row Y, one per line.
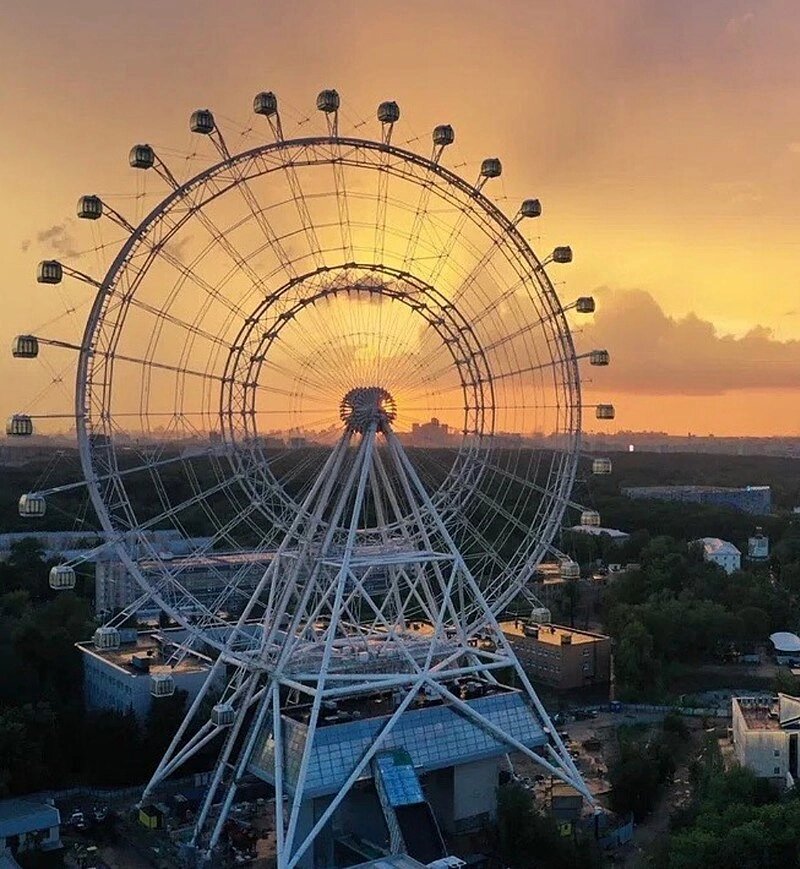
column 635, row 665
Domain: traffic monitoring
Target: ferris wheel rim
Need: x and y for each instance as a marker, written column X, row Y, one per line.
column 563, row 334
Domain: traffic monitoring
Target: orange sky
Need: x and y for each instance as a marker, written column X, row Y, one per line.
column 662, row 138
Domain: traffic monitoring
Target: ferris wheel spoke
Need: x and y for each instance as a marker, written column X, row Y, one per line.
column 303, row 213
column 340, row 185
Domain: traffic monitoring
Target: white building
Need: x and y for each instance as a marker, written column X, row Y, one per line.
column 121, row 679
column 720, row 552
column 765, row 736
column 28, row 825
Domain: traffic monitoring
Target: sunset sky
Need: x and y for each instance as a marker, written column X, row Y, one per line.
column 663, row 139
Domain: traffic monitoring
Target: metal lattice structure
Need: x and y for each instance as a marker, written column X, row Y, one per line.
column 341, row 357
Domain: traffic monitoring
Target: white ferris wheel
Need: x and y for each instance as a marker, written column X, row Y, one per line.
column 340, row 364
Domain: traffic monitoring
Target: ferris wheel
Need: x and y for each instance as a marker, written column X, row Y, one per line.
column 244, row 309
column 322, row 350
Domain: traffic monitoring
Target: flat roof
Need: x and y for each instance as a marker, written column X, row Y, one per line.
column 383, row 703
column 150, row 646
column 392, row 861
column 759, row 713
column 549, row 633
column 25, row 816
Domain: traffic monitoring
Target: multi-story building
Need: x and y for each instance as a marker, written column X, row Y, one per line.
column 748, row 499
column 720, row 552
column 204, row 576
column 765, row 736
column 564, row 658
column 121, row 679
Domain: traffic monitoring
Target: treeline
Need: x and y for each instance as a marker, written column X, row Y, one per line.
column 47, row 739
column 678, row 609
column 732, row 819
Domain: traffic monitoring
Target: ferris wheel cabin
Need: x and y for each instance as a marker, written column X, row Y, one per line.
column 32, row 506
column 605, row 411
column 25, row 347
column 491, row 167
column 531, row 208
column 585, row 305
column 388, row 112
column 90, row 208
column 19, row 426
column 328, row 101
column 202, row 121
column 62, row 577
column 49, row 271
column 265, row 103
column 570, row 570
column 443, row 135
column 601, row 466
column 141, row 157
column 590, row 519
column 162, row 685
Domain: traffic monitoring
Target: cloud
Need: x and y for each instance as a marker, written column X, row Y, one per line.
column 59, row 239
column 652, row 353
column 740, row 26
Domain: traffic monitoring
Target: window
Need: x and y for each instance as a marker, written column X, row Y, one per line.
column 776, row 770
column 777, row 752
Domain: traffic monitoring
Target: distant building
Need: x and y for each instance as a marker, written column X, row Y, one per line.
column 564, row 658
column 758, row 546
column 786, row 647
column 747, row 499
column 121, row 679
column 720, row 552
column 765, row 736
column 430, row 434
column 203, row 576
column 596, row 531
column 28, row 825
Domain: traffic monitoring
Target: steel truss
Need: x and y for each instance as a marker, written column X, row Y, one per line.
column 322, row 617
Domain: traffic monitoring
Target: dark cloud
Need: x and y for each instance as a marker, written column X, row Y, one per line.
column 58, row 239
column 652, row 353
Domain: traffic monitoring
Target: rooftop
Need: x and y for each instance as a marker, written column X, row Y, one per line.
column 781, row 713
column 715, row 546
column 597, row 530
column 158, row 652
column 25, row 816
column 383, row 703
column 549, row 633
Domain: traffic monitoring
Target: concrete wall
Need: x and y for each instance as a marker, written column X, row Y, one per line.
column 765, row 752
column 475, row 794
column 106, row 686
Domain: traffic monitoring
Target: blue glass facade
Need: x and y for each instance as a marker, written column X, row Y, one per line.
column 434, row 737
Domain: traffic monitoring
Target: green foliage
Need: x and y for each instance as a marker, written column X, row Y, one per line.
column 679, row 610
column 739, row 820
column 46, row 738
column 527, row 839
column 645, row 762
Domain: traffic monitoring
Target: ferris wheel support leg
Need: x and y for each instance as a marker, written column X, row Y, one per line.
column 159, row 775
column 291, row 860
column 361, row 467
column 222, row 761
column 268, row 697
column 563, row 755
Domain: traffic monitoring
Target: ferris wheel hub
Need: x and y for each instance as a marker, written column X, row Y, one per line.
column 366, row 406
